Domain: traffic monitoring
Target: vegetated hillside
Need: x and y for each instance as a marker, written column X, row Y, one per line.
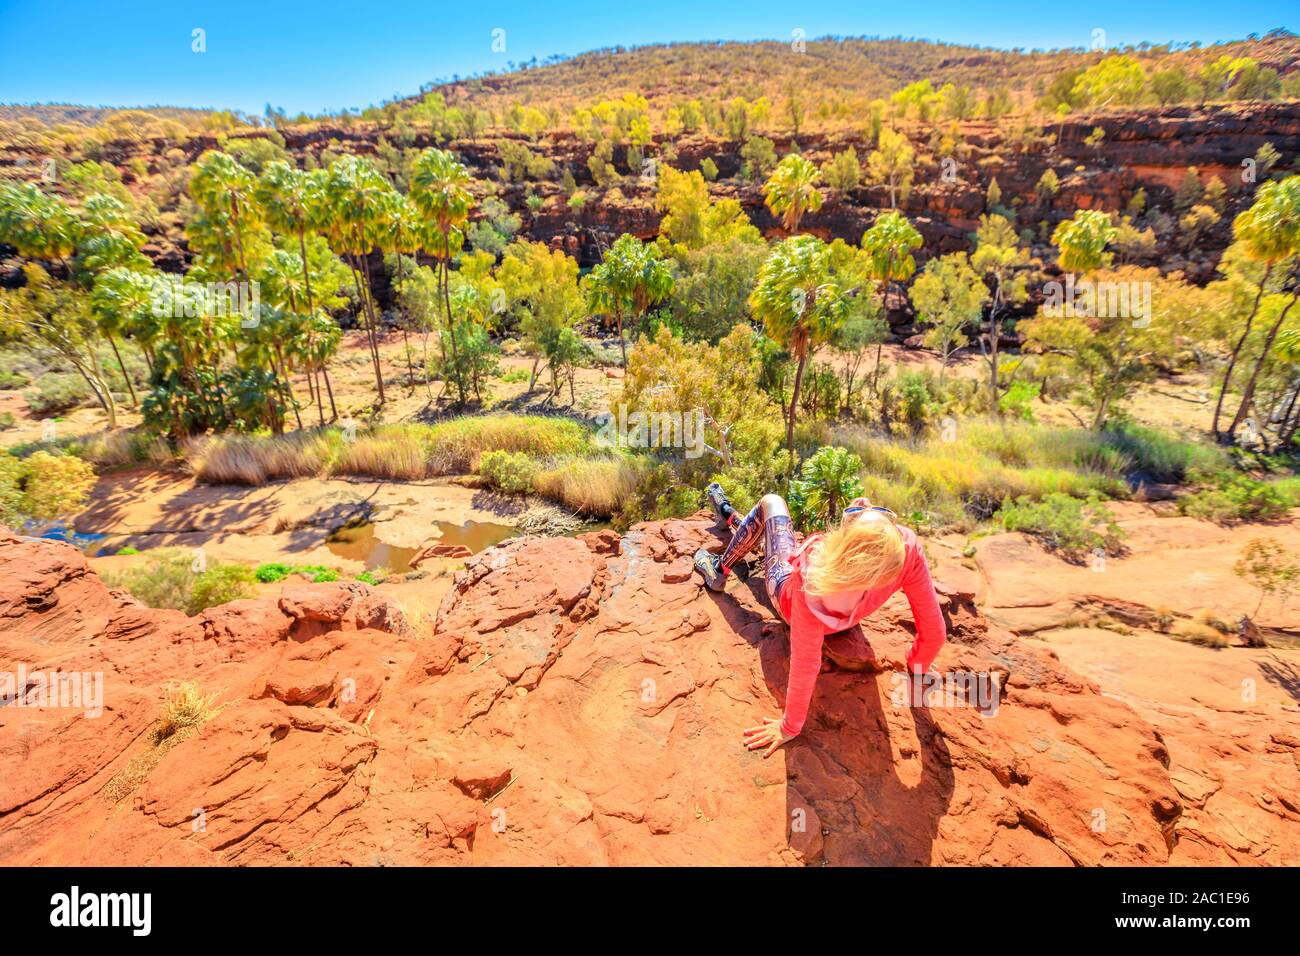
column 56, row 113
column 834, row 73
column 558, row 199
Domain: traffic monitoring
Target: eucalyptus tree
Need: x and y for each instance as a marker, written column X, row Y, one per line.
column 1082, row 242
column 541, row 287
column 632, row 277
column 791, row 191
column 57, row 316
column 801, row 304
column 1002, row 261
column 440, row 191
column 1269, row 232
column 951, row 296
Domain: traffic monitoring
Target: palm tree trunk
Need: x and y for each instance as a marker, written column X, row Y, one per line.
column 446, row 300
column 325, row 374
column 374, row 327
column 363, row 295
column 122, row 365
column 794, row 406
column 286, row 384
column 618, row 316
column 306, row 272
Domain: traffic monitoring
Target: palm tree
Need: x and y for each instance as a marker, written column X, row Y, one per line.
column 108, row 239
column 290, row 201
column 1269, row 233
column 791, row 191
column 349, row 203
column 631, row 278
column 225, row 188
column 403, row 235
column 38, row 226
column 800, row 305
column 282, row 192
column 440, row 190
column 888, row 245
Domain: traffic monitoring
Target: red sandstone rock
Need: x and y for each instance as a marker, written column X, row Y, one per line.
column 578, row 701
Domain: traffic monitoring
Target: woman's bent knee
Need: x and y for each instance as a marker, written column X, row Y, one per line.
column 773, row 505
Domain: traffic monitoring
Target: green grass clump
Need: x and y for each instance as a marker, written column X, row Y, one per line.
column 1064, row 524
column 456, row 445
column 961, row 478
column 398, row 452
column 597, row 487
column 1229, row 497
column 276, row 571
column 272, row 572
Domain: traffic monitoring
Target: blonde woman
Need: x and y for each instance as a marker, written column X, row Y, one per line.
column 828, row 584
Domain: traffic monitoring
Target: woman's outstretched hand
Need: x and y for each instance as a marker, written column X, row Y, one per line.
column 767, row 734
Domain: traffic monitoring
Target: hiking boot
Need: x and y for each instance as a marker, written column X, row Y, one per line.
column 710, row 567
column 721, row 506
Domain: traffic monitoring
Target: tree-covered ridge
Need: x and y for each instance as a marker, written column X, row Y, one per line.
column 797, row 83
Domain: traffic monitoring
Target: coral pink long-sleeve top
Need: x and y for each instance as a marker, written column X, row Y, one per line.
column 809, row 627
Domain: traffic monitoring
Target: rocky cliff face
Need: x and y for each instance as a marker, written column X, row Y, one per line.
column 578, row 701
column 1148, row 149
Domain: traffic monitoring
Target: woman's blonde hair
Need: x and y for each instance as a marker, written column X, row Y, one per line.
column 864, row 553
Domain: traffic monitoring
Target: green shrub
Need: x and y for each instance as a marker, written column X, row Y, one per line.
column 1018, row 401
column 170, row 580
column 219, row 585
column 1064, row 524
column 272, row 572
column 18, row 369
column 1161, row 456
column 57, row 392
column 511, row 471
column 44, row 487
column 1236, row 497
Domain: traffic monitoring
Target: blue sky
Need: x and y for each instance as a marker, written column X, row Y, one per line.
column 326, row 55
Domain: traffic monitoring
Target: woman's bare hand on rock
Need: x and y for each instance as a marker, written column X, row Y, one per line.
column 767, row 734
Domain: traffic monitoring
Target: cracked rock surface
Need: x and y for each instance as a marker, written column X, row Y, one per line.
column 577, row 701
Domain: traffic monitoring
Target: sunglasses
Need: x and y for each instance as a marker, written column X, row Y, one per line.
column 855, row 509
